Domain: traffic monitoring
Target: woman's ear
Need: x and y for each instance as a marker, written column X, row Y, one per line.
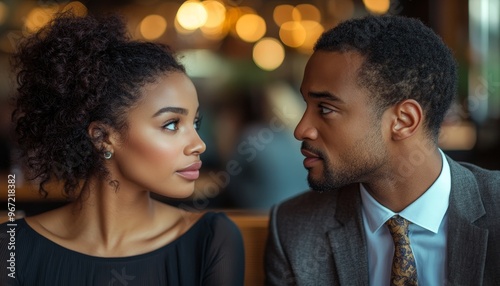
column 408, row 117
column 101, row 136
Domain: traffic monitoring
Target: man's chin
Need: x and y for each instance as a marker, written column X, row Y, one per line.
column 321, row 186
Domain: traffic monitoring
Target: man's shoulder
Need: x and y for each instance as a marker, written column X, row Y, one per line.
column 311, row 203
column 471, row 183
column 487, row 181
column 483, row 175
column 308, row 201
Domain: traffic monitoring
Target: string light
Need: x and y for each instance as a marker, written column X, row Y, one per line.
column 268, row 54
column 377, row 6
column 251, row 27
column 153, row 26
column 192, row 15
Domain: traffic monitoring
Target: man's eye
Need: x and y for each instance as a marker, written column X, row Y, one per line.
column 325, row 110
column 172, row 126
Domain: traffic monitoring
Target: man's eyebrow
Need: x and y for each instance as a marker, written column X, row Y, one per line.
column 178, row 110
column 325, row 95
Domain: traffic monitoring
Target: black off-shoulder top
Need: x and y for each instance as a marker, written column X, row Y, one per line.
column 209, row 253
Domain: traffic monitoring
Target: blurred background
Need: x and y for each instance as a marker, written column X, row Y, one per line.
column 246, row 58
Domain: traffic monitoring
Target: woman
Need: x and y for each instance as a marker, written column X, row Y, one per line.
column 114, row 119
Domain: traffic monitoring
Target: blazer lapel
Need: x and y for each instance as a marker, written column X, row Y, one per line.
column 467, row 243
column 348, row 240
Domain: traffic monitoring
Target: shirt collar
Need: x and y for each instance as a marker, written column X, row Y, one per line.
column 434, row 201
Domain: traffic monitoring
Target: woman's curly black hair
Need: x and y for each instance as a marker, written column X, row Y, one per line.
column 72, row 72
column 404, row 59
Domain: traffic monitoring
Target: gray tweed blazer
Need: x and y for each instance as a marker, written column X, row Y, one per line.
column 318, row 239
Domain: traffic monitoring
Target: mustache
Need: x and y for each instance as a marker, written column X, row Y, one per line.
column 308, row 147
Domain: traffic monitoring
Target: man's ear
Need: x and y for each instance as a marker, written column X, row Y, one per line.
column 101, row 135
column 408, row 116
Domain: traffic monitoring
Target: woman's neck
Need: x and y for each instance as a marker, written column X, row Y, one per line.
column 110, row 222
column 112, row 215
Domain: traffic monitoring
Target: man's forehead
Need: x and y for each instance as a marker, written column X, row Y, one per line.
column 325, row 60
column 326, row 67
column 333, row 76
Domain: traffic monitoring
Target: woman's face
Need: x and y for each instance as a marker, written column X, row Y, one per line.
column 160, row 150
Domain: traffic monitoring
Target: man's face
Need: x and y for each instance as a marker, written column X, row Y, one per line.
column 340, row 132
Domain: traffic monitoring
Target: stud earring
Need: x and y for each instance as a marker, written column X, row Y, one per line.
column 108, row 155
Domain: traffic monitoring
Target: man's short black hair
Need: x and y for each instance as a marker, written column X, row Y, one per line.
column 404, row 59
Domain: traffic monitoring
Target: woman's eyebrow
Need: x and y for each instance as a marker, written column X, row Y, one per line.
column 178, row 110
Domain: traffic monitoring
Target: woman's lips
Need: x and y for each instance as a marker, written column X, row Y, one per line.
column 310, row 159
column 191, row 172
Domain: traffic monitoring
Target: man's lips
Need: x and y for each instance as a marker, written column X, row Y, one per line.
column 191, row 172
column 311, row 158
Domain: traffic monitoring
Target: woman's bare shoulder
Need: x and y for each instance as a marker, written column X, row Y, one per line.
column 50, row 223
column 181, row 218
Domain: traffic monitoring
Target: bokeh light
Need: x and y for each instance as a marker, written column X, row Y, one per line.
column 216, row 14
column 192, row 15
column 39, row 17
column 216, row 33
column 283, row 14
column 268, row 54
column 306, row 12
column 4, row 11
column 153, row 26
column 377, row 6
column 180, row 29
column 216, row 26
column 251, row 27
column 77, row 7
column 313, row 32
column 233, row 15
column 293, row 34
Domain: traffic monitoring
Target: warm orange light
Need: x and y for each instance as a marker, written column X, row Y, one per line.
column 153, row 26
column 3, row 12
column 313, row 31
column 268, row 54
column 39, row 17
column 458, row 136
column 217, row 33
column 377, row 6
column 216, row 13
column 283, row 14
column 77, row 7
column 181, row 30
column 306, row 12
column 292, row 34
column 192, row 15
column 233, row 14
column 250, row 27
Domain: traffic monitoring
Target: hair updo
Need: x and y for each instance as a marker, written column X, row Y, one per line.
column 72, row 72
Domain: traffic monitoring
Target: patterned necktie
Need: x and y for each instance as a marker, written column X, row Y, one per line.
column 404, row 269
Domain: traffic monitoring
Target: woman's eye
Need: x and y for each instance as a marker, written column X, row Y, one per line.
column 197, row 123
column 172, row 126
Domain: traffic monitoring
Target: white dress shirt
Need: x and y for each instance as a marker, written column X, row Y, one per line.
column 427, row 232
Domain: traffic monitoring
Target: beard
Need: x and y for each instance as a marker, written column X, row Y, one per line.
column 356, row 165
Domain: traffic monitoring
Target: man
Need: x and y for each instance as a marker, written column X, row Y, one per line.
column 377, row 90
